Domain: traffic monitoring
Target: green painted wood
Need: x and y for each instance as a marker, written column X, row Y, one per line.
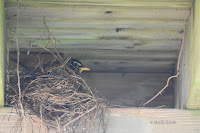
column 2, row 53
column 194, row 60
column 105, row 3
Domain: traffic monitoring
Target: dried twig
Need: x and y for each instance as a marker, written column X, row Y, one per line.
column 178, row 66
column 49, row 35
column 18, row 75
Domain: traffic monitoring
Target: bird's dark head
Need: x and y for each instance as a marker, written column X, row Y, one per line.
column 77, row 65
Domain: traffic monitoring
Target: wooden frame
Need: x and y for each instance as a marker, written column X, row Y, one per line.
column 125, row 120
column 2, row 42
column 122, row 120
column 188, row 83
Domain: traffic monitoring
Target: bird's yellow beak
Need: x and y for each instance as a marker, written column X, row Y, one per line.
column 84, row 68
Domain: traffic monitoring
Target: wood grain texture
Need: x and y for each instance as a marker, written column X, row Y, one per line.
column 182, row 83
column 125, row 120
column 190, row 77
column 96, row 24
column 94, row 30
column 160, row 45
column 132, row 66
column 126, row 3
column 92, row 12
column 113, row 65
column 140, row 120
column 101, row 34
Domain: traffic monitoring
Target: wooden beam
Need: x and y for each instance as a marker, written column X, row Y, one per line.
column 101, row 34
column 95, row 13
column 161, row 45
column 140, row 120
column 2, row 42
column 130, row 65
column 194, row 60
column 127, row 3
column 188, row 82
column 122, row 120
column 96, row 23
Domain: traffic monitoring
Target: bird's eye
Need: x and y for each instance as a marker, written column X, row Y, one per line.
column 79, row 64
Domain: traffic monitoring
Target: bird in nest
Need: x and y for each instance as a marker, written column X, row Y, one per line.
column 77, row 65
column 74, row 64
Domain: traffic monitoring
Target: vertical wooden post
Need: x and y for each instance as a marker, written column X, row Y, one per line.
column 2, row 42
column 194, row 60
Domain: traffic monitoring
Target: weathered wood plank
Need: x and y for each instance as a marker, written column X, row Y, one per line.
column 2, row 48
column 141, row 120
column 101, row 44
column 131, row 66
column 104, row 33
column 97, row 23
column 128, row 3
column 92, row 12
column 134, row 65
column 194, row 57
column 118, row 54
column 188, row 84
column 126, row 120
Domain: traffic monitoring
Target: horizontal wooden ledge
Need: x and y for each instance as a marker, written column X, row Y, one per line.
column 137, row 112
column 126, row 3
column 128, row 119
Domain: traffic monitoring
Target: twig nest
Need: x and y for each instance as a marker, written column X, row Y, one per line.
column 61, row 98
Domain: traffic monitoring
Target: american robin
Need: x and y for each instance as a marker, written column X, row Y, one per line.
column 77, row 65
